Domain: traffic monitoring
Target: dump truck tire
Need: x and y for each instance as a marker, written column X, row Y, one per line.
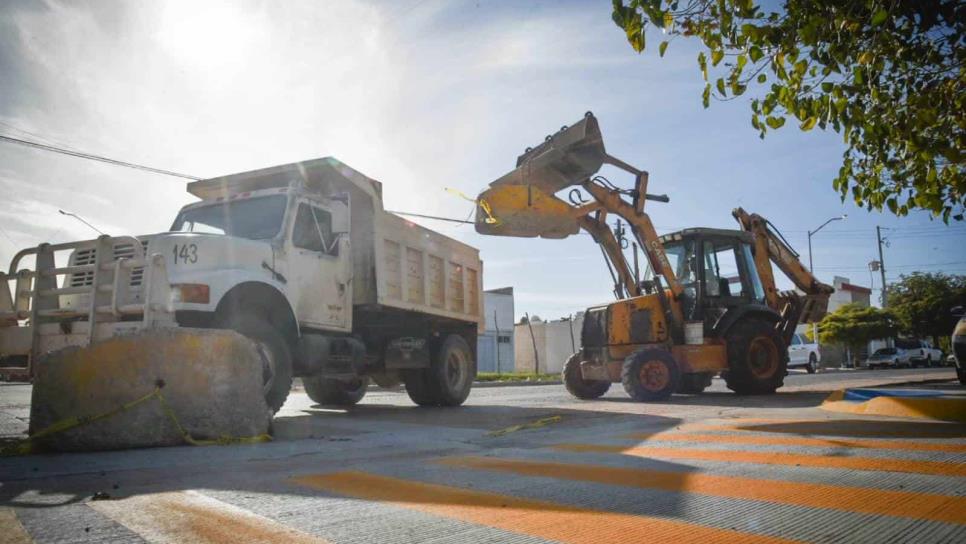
column 276, row 357
column 757, row 362
column 449, row 378
column 576, row 384
column 650, row 375
column 334, row 392
column 693, row 384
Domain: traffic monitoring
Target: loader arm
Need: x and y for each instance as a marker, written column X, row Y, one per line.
column 523, row 203
column 771, row 247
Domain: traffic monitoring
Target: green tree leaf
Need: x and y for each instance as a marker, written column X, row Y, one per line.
column 879, row 17
column 808, row 124
column 662, row 48
column 775, row 122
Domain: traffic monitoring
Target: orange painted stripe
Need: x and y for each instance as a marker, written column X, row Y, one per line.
column 11, row 531
column 540, row 519
column 851, row 499
column 765, row 458
column 840, row 427
column 192, row 517
column 797, row 441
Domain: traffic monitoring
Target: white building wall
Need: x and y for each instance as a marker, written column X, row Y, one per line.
column 554, row 345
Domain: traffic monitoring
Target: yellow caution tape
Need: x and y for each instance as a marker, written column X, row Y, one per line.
column 532, row 425
column 28, row 445
column 484, row 205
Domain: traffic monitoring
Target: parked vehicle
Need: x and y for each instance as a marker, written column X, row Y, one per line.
column 959, row 344
column 920, row 352
column 886, row 358
column 803, row 353
column 300, row 258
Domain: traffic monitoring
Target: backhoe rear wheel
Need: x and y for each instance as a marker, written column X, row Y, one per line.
column 335, row 392
column 650, row 375
column 757, row 358
column 576, row 384
column 449, row 378
column 274, row 352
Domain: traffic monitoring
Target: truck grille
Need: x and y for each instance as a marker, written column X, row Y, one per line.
column 88, row 255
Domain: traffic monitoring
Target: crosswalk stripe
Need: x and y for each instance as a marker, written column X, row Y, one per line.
column 852, row 499
column 11, row 531
column 187, row 516
column 796, row 441
column 845, row 427
column 540, row 519
column 769, row 458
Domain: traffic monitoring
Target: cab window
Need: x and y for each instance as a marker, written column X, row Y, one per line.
column 313, row 230
column 796, row 340
column 722, row 277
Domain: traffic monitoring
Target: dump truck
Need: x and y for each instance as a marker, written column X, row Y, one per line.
column 707, row 303
column 301, row 259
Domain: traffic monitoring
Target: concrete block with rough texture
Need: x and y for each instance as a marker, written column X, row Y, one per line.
column 212, row 380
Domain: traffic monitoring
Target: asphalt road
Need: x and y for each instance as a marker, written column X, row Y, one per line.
column 519, row 464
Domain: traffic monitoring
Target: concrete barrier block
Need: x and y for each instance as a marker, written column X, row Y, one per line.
column 212, row 381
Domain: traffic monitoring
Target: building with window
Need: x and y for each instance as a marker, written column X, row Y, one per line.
column 494, row 348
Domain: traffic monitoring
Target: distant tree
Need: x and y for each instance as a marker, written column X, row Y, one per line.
column 923, row 301
column 888, row 74
column 853, row 326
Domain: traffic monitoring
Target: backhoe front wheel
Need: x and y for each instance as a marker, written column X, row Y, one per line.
column 576, row 384
column 650, row 375
column 335, row 392
column 274, row 354
column 448, row 379
column 757, row 360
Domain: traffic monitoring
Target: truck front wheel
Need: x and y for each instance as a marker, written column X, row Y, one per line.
column 334, row 392
column 275, row 355
column 448, row 379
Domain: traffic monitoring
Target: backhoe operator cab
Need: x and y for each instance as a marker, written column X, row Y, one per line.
column 717, row 270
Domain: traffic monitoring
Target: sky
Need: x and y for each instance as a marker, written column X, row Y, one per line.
column 423, row 95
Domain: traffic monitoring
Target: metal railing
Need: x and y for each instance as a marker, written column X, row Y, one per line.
column 45, row 294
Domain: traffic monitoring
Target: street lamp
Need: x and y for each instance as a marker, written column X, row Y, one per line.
column 811, row 232
column 810, row 269
column 81, row 219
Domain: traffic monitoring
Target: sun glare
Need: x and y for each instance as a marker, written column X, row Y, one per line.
column 207, row 33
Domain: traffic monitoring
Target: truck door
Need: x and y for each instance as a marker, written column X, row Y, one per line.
column 318, row 269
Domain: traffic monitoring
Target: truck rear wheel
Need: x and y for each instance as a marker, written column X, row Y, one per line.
column 448, row 379
column 757, row 361
column 650, row 375
column 335, row 392
column 693, row 384
column 576, row 384
column 274, row 352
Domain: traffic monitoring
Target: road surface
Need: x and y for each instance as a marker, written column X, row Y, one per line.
column 518, row 464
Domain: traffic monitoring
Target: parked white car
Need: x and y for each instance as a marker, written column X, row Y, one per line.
column 803, row 354
column 920, row 352
column 888, row 358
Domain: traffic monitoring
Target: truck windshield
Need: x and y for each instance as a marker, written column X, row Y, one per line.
column 257, row 218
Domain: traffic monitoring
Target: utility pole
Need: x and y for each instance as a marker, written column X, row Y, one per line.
column 536, row 355
column 878, row 236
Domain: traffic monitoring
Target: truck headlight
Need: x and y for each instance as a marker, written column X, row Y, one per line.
column 197, row 293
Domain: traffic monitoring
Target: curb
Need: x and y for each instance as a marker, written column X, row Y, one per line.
column 932, row 408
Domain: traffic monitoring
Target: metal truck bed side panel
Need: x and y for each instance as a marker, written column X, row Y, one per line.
column 421, row 270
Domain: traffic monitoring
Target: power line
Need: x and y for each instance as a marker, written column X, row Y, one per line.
column 93, row 157
column 436, row 217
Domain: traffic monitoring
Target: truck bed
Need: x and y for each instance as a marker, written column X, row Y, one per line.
column 421, row 270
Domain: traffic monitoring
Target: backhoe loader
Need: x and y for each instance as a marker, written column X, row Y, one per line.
column 707, row 303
